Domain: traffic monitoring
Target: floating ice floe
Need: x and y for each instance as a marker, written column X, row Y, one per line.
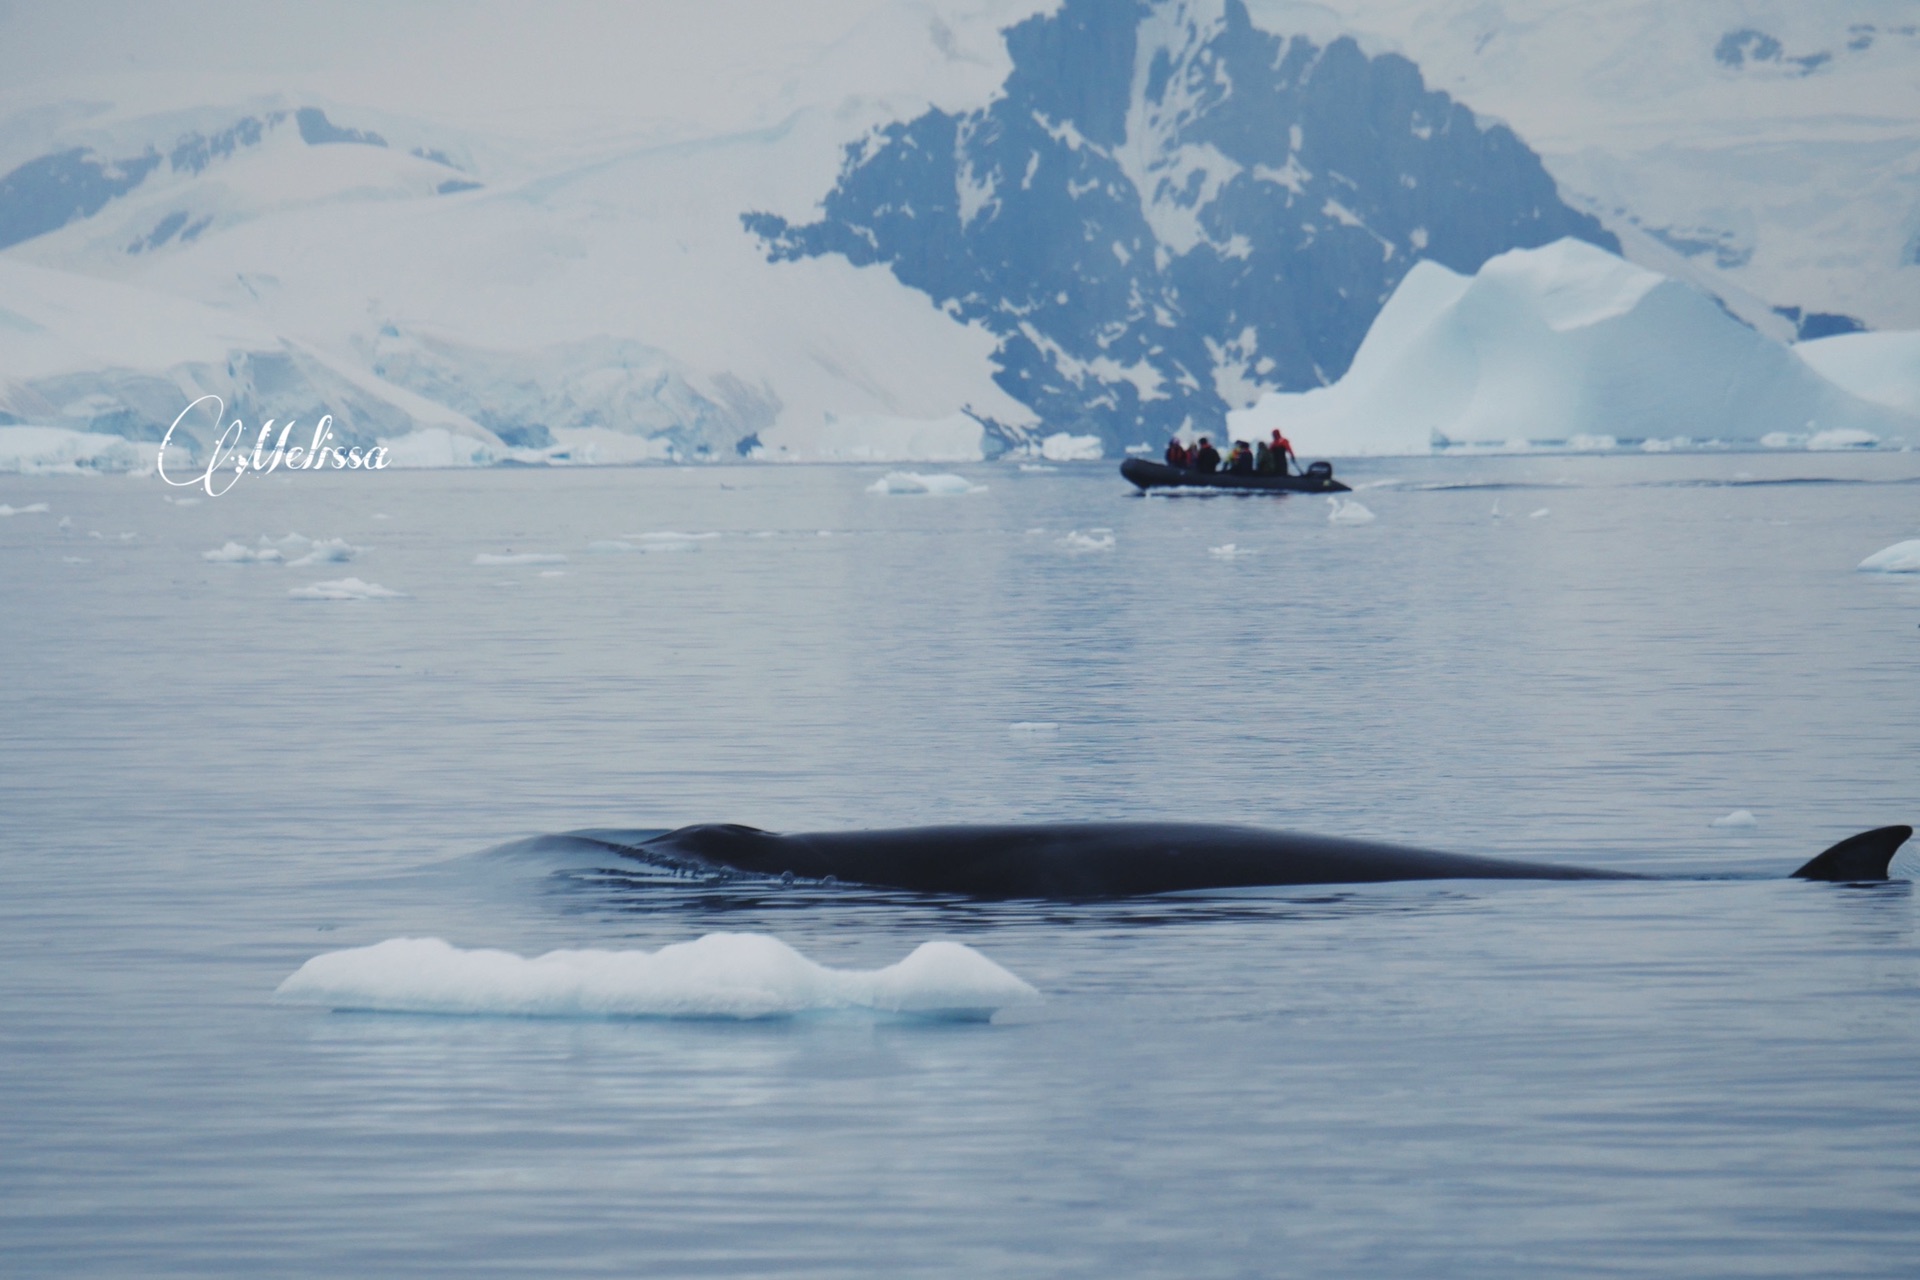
column 327, row 551
column 345, row 589
column 309, row 551
column 1033, row 729
column 1229, row 551
column 1093, row 540
column 32, row 509
column 668, row 540
column 941, row 484
column 1037, row 466
column 1347, row 511
column 1535, row 515
column 721, row 975
column 1738, row 818
column 1901, row 557
column 240, row 553
column 518, row 557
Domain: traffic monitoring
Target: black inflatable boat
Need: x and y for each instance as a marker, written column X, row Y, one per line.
column 1158, row 475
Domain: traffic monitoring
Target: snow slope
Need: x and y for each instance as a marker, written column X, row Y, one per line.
column 1565, row 344
column 1881, row 367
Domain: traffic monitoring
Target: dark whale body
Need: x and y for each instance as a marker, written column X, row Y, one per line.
column 1120, row 859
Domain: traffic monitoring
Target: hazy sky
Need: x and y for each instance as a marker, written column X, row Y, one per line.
column 519, row 68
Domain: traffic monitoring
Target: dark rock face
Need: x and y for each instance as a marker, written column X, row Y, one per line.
column 1168, row 211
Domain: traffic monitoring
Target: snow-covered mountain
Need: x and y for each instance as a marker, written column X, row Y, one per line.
column 1767, row 150
column 1167, row 210
column 530, row 241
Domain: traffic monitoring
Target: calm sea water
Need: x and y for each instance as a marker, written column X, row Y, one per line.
column 204, row 782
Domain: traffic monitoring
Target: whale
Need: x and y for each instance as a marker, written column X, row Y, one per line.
column 1094, row 860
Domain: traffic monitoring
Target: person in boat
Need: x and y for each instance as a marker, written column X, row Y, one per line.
column 1177, row 455
column 1263, row 459
column 1206, row 458
column 1280, row 451
column 1240, row 461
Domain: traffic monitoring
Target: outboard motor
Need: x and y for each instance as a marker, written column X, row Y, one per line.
column 1321, row 472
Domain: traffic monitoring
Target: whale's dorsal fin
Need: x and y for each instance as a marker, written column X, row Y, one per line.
column 1861, row 857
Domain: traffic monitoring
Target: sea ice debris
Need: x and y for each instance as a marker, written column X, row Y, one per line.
column 942, row 484
column 238, row 553
column 720, row 975
column 345, row 589
column 1093, row 540
column 1738, row 818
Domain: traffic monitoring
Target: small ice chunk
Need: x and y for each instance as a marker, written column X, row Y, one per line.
column 1842, row 438
column 721, row 975
column 345, row 589
column 669, row 540
column 1033, row 729
column 1347, row 511
column 1037, row 466
column 1535, row 515
column 1228, row 551
column 1093, row 540
column 553, row 573
column 327, row 551
column 75, row 560
column 518, row 557
column 180, row 502
column 1738, row 818
column 1901, row 557
column 32, row 509
column 237, row 553
column 941, row 484
column 1064, row 446
column 609, row 546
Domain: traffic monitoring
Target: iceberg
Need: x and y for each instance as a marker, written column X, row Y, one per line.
column 720, row 975
column 1566, row 345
